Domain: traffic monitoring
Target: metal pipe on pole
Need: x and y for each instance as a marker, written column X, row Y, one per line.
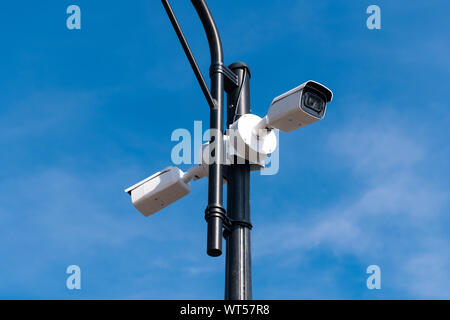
column 238, row 274
column 215, row 212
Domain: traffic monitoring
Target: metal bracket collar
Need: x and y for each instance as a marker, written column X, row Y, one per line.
column 216, row 211
column 229, row 223
column 231, row 79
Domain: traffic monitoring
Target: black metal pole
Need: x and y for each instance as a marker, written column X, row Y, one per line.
column 238, row 274
column 215, row 212
column 236, row 80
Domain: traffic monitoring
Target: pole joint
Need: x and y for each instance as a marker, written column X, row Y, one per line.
column 231, row 79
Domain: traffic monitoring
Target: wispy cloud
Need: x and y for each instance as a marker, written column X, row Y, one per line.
column 57, row 217
column 395, row 218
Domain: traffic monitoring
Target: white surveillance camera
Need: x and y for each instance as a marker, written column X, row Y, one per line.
column 252, row 138
column 296, row 108
column 168, row 185
column 163, row 188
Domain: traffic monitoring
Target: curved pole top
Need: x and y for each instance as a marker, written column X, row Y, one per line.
column 215, row 44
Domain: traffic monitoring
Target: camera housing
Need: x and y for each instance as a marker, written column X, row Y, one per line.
column 158, row 191
column 297, row 108
column 164, row 188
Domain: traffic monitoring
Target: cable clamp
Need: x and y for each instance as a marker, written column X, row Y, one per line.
column 219, row 212
column 231, row 223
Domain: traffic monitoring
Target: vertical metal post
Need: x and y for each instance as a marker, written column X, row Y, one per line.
column 215, row 212
column 238, row 274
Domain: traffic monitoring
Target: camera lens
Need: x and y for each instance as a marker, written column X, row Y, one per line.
column 313, row 101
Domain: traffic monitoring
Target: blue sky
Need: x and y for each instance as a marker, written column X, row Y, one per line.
column 86, row 113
